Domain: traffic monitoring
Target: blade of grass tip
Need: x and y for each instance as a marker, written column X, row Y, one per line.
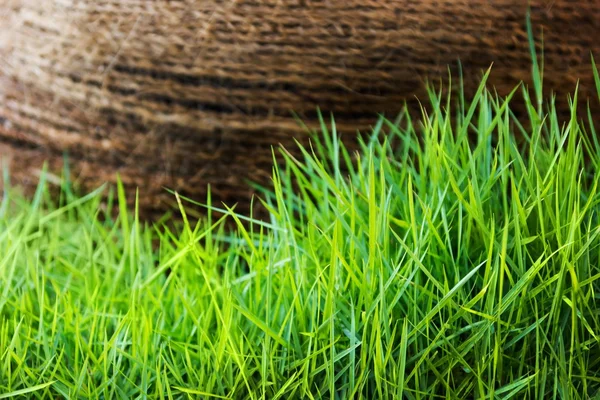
column 449, row 99
column 589, row 111
column 300, row 122
column 242, row 229
column 591, row 133
column 124, row 220
column 209, row 219
column 66, row 180
column 324, row 134
column 135, row 253
column 72, row 205
column 473, row 107
column 186, row 222
column 535, row 68
column 461, row 95
column 28, row 390
column 596, row 76
column 110, row 202
column 226, row 211
column 37, row 199
column 336, row 151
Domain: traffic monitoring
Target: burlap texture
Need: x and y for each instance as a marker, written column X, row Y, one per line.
column 185, row 93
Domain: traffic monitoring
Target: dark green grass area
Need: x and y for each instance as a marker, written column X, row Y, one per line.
column 445, row 259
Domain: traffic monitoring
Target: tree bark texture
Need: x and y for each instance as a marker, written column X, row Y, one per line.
column 184, row 93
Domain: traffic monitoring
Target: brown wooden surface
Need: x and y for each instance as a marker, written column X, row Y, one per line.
column 186, row 93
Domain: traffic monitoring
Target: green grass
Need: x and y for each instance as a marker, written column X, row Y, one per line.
column 453, row 256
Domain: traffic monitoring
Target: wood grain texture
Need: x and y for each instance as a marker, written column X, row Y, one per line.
column 190, row 92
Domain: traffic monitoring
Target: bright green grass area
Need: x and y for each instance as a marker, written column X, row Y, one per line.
column 444, row 259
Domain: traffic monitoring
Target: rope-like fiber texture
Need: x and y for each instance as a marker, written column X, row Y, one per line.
column 190, row 92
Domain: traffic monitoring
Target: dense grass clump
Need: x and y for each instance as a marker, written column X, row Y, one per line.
column 454, row 257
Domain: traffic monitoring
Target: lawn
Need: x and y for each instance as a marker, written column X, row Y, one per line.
column 455, row 255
